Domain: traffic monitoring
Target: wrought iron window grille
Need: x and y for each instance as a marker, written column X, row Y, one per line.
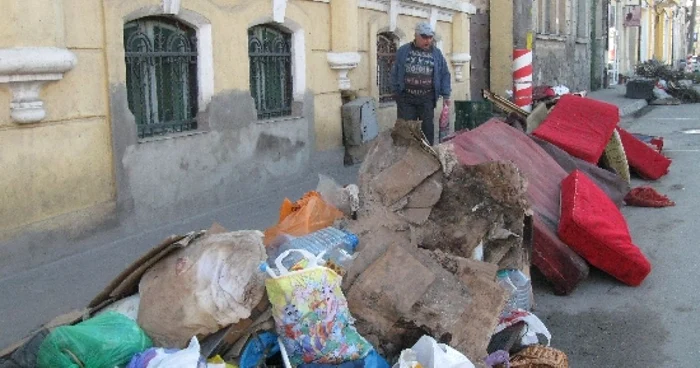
column 387, row 44
column 161, row 75
column 270, row 57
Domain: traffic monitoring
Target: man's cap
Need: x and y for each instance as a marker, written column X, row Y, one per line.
column 424, row 28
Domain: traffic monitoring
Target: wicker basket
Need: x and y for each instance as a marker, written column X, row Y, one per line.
column 538, row 356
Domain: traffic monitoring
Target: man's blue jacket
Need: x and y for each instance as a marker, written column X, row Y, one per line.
column 442, row 82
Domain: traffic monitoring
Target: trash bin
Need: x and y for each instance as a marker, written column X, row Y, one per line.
column 640, row 89
column 471, row 114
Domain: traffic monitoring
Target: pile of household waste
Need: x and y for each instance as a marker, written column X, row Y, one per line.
column 424, row 263
column 664, row 84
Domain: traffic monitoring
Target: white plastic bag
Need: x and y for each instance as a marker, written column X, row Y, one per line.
column 561, row 90
column 346, row 198
column 187, row 358
column 429, row 354
column 534, row 326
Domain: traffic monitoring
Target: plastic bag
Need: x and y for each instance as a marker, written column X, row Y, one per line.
column 427, row 353
column 345, row 199
column 445, row 120
column 312, row 315
column 170, row 358
column 218, row 362
column 535, row 327
column 104, row 341
column 212, row 283
column 309, row 214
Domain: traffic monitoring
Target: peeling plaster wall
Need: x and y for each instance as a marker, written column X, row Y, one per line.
column 235, row 155
column 562, row 62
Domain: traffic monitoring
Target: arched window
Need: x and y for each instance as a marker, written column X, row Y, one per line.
column 161, row 75
column 270, row 54
column 387, row 44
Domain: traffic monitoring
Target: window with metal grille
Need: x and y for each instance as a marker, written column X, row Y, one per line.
column 161, row 75
column 551, row 17
column 270, row 54
column 387, row 44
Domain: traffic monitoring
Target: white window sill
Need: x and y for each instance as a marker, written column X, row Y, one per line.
column 280, row 119
column 582, row 40
column 551, row 37
column 172, row 136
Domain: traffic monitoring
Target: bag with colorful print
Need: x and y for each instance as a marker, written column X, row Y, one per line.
column 312, row 315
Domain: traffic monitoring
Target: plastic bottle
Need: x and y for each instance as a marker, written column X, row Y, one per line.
column 524, row 289
column 337, row 245
column 519, row 289
column 511, row 290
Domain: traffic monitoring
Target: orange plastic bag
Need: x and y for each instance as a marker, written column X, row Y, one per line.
column 310, row 213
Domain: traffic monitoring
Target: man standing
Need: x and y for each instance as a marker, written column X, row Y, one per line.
column 419, row 78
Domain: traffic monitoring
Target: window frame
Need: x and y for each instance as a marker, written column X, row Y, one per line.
column 583, row 18
column 287, row 89
column 552, row 19
column 161, row 53
column 393, row 41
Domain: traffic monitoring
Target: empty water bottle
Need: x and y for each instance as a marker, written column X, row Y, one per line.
column 511, row 290
column 523, row 285
column 518, row 288
column 337, row 246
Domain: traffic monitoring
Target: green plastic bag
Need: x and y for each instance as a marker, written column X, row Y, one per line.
column 105, row 341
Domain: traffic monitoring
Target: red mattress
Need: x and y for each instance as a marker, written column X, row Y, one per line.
column 642, row 158
column 592, row 225
column 580, row 126
column 496, row 141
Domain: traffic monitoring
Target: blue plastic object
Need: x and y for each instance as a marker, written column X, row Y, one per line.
column 254, row 352
column 372, row 360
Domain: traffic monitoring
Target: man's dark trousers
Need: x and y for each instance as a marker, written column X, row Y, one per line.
column 410, row 107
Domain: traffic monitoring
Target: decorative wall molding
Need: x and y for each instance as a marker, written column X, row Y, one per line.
column 458, row 61
column 279, row 8
column 25, row 70
column 171, row 6
column 394, row 9
column 343, row 62
column 421, row 8
column 445, row 7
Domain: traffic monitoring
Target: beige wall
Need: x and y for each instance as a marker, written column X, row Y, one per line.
column 364, row 77
column 62, row 164
column 501, row 46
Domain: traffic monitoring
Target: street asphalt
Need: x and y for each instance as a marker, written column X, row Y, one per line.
column 602, row 324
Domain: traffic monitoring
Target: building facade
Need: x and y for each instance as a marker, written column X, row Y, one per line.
column 663, row 31
column 146, row 111
column 569, row 47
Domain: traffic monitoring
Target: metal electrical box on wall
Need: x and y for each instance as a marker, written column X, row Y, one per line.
column 360, row 126
column 359, row 121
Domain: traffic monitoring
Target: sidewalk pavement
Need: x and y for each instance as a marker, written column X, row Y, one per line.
column 616, row 96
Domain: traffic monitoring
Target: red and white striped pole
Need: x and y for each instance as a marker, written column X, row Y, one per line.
column 522, row 78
